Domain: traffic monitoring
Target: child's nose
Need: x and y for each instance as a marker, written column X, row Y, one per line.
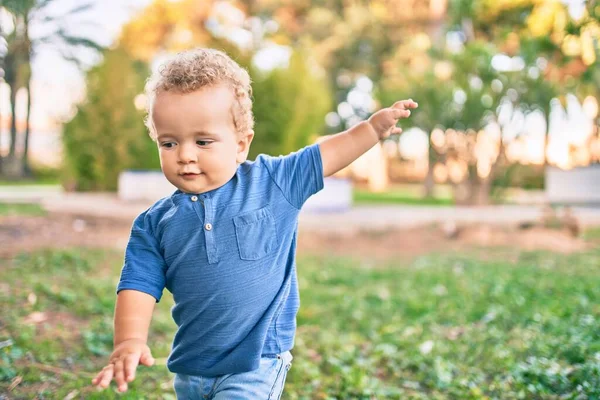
column 187, row 154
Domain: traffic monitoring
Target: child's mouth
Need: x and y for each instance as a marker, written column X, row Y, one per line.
column 189, row 175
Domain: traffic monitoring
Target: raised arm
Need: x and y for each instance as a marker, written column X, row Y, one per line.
column 340, row 150
column 133, row 314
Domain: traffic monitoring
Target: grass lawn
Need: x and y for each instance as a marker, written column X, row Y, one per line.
column 40, row 175
column 402, row 194
column 30, row 182
column 592, row 233
column 493, row 324
column 21, row 209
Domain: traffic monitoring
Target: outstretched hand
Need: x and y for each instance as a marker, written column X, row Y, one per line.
column 384, row 121
column 123, row 363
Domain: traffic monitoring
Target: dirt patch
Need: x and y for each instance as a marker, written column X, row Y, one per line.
column 48, row 323
column 18, row 233
column 416, row 241
column 535, row 238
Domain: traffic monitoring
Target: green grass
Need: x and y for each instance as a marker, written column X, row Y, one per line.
column 29, row 182
column 41, row 175
column 447, row 326
column 21, row 209
column 401, row 195
column 592, row 233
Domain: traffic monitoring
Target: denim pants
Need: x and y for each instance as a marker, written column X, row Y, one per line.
column 264, row 383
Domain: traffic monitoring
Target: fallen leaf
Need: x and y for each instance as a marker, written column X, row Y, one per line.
column 36, row 317
column 15, row 382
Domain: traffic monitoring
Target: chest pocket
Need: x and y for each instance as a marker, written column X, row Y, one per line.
column 255, row 232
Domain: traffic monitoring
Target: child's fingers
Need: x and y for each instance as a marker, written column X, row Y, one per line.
column 405, row 104
column 120, row 376
column 400, row 113
column 396, row 131
column 97, row 378
column 147, row 359
column 106, row 376
column 131, row 363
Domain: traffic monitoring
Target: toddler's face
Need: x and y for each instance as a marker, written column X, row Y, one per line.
column 198, row 145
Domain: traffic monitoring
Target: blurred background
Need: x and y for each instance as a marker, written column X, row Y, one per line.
column 457, row 260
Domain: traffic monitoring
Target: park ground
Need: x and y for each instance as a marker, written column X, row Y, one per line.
column 474, row 311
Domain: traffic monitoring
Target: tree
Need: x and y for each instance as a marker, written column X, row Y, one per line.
column 467, row 101
column 433, row 90
column 289, row 103
column 350, row 39
column 289, row 107
column 107, row 135
column 167, row 26
column 21, row 49
column 569, row 44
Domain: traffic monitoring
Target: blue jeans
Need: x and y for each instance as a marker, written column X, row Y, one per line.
column 264, row 383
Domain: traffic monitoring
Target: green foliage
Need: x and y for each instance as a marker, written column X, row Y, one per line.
column 289, row 107
column 471, row 73
column 107, row 135
column 21, row 209
column 475, row 62
column 592, row 233
column 18, row 7
column 34, row 29
column 45, row 174
column 399, row 196
column 485, row 324
column 40, row 175
column 435, row 98
column 490, row 17
column 519, row 175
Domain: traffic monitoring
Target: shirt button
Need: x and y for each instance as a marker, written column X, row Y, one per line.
column 194, row 198
column 208, row 227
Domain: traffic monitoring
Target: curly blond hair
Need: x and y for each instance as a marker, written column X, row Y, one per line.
column 192, row 70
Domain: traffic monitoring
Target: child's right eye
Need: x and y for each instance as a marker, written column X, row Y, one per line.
column 168, row 145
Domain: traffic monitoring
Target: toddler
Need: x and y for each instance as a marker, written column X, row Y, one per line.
column 224, row 242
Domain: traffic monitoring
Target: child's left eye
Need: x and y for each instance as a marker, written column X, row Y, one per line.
column 203, row 142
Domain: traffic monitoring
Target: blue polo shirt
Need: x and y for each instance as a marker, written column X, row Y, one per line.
column 228, row 258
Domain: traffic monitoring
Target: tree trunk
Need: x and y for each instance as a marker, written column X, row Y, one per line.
column 27, row 65
column 12, row 168
column 1, row 158
column 12, row 165
column 3, row 68
column 13, row 120
column 429, row 182
column 546, row 137
column 25, row 159
column 462, row 192
column 482, row 195
column 483, row 190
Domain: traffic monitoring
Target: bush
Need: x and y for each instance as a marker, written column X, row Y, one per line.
column 289, row 107
column 107, row 135
column 519, row 175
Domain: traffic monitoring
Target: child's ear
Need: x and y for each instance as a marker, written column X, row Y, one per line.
column 244, row 142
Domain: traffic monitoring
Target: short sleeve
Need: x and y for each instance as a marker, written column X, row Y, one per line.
column 144, row 268
column 299, row 175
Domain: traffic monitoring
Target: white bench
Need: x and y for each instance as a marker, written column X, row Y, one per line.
column 577, row 186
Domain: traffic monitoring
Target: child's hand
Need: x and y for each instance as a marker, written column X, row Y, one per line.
column 384, row 121
column 123, row 363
